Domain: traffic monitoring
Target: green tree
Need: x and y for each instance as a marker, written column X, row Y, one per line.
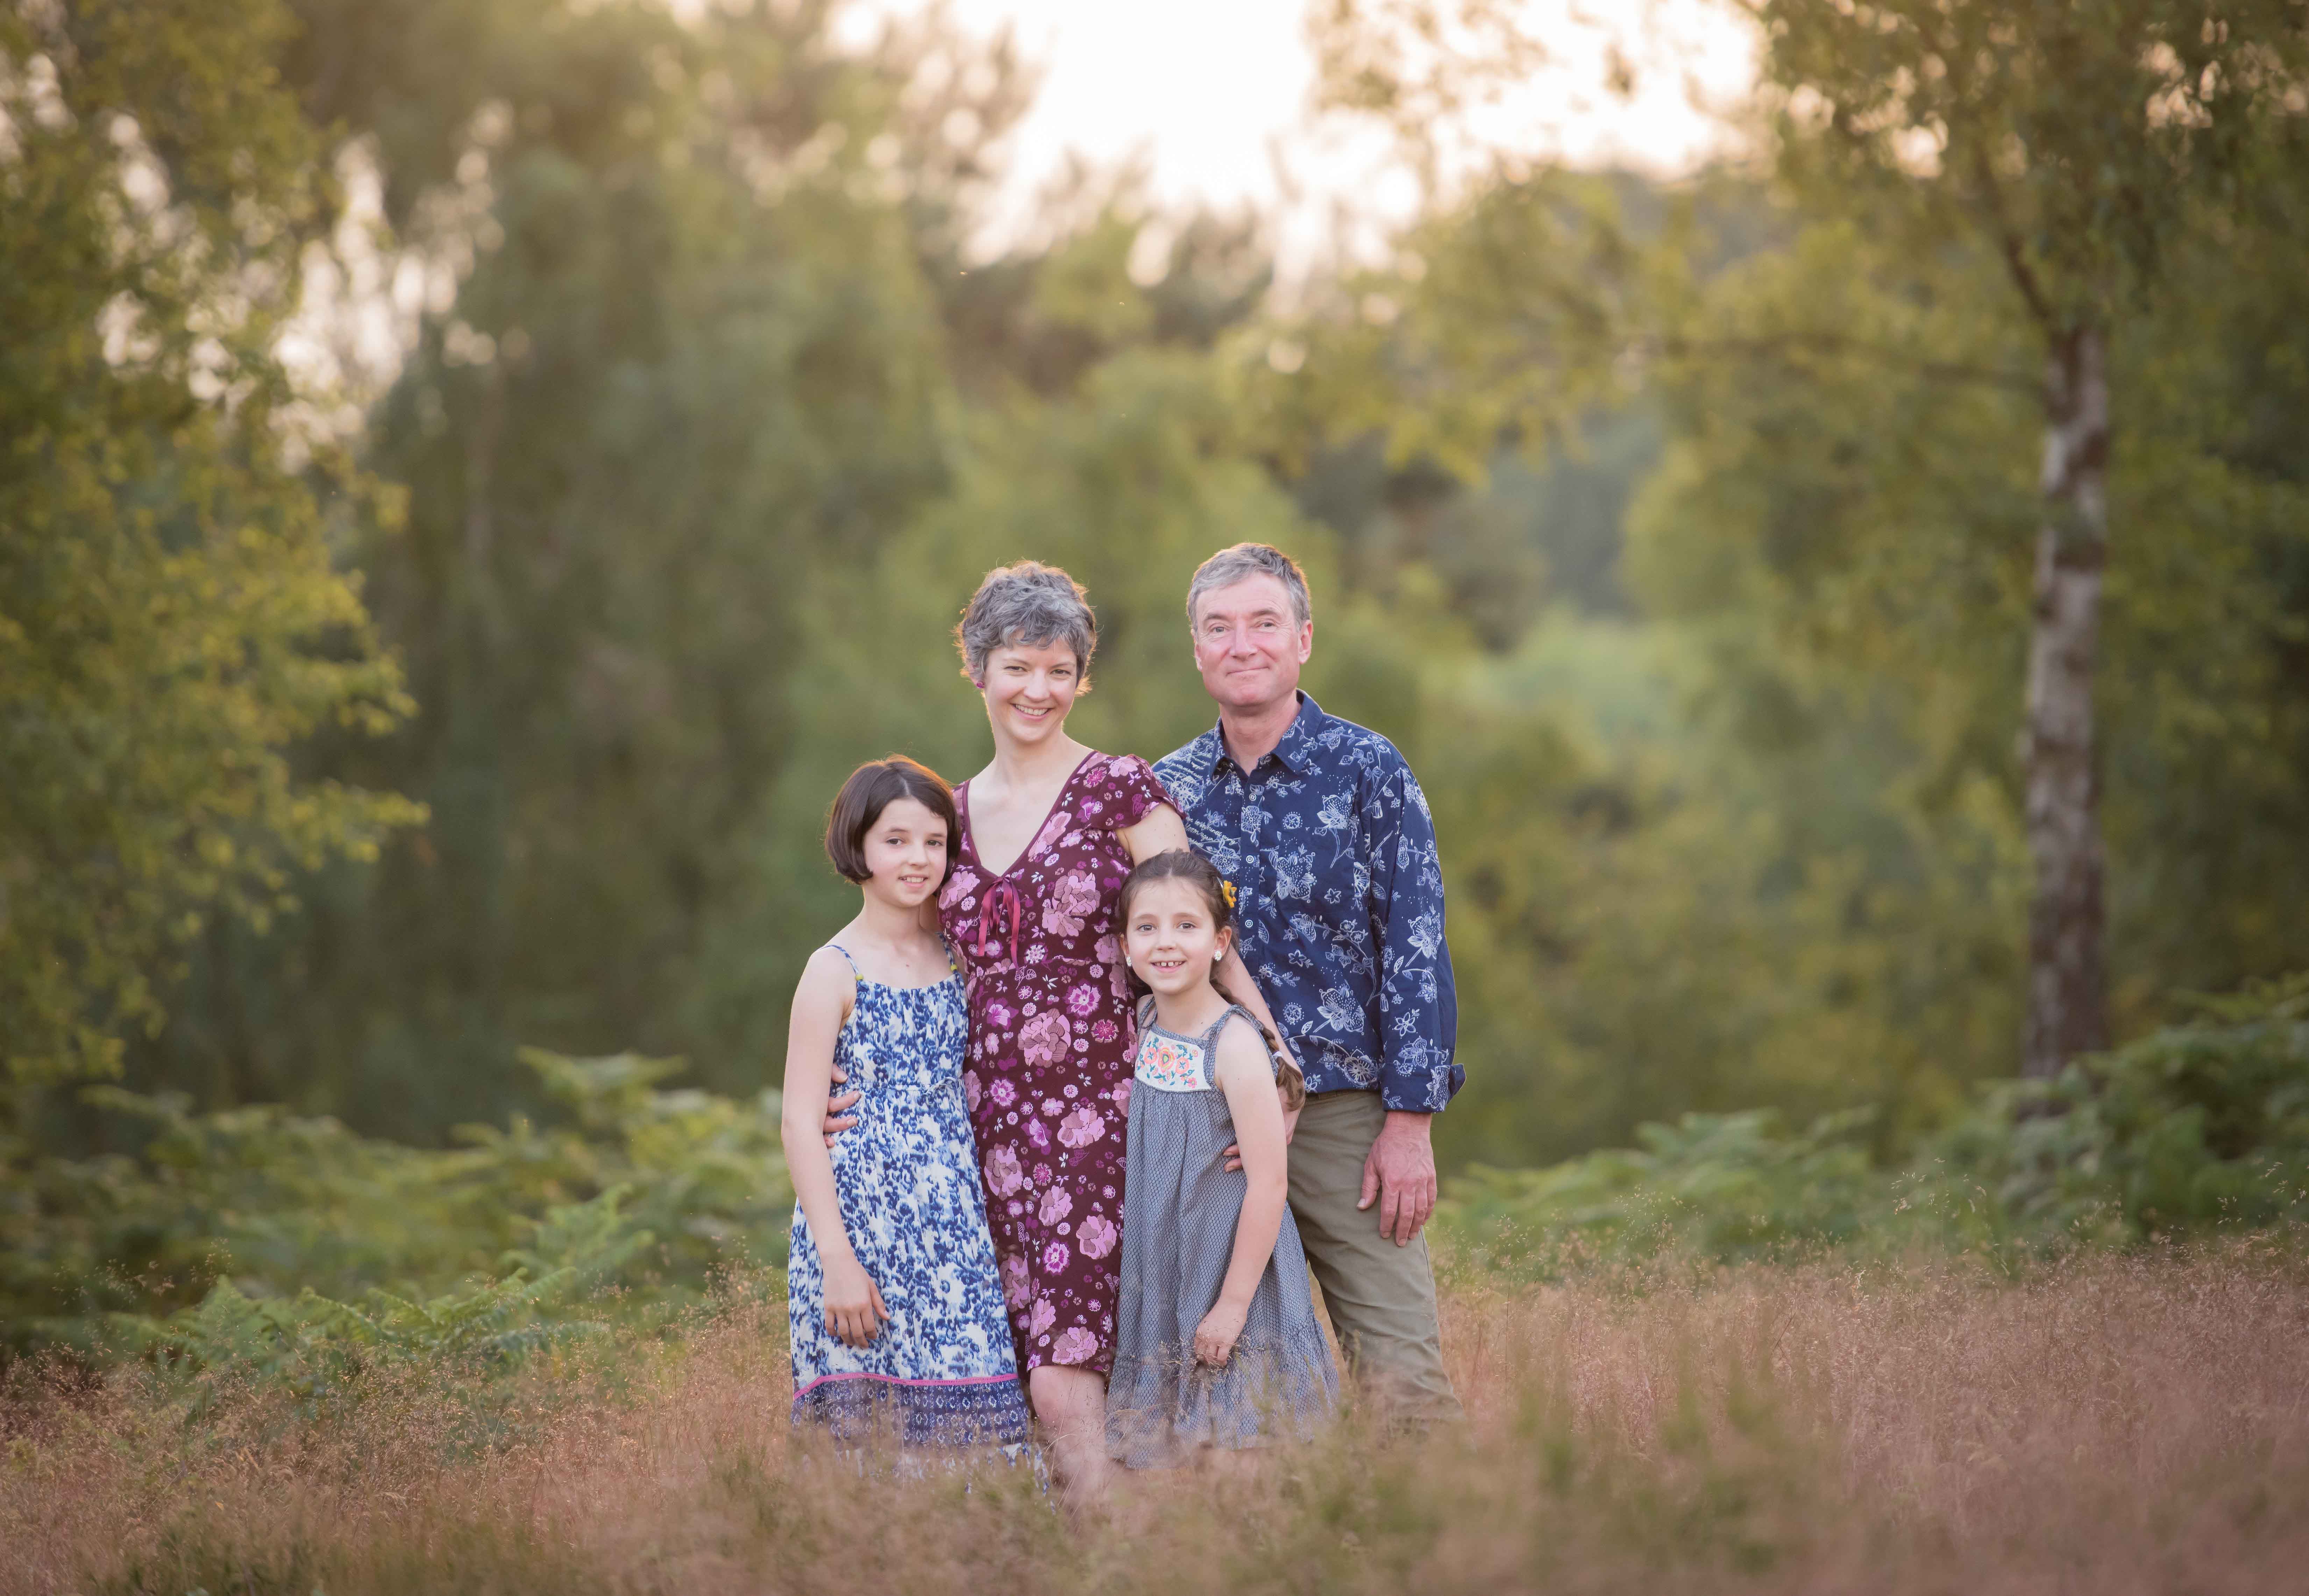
column 697, row 351
column 173, row 623
column 2077, row 142
column 2082, row 150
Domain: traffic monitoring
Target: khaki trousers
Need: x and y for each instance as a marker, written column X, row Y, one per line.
column 1380, row 1297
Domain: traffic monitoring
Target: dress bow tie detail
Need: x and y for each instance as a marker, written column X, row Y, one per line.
column 986, row 911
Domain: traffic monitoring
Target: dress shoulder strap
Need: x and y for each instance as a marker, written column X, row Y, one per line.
column 1235, row 1011
column 855, row 973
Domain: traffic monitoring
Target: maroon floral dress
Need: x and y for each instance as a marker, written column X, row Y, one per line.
column 1047, row 1078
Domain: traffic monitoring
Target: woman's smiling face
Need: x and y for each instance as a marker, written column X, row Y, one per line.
column 1173, row 938
column 1029, row 689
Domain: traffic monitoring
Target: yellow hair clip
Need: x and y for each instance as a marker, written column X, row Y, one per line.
column 1226, row 891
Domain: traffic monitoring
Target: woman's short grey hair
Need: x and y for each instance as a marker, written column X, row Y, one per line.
column 1028, row 605
column 1230, row 566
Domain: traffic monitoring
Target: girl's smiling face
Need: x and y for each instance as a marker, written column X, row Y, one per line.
column 1173, row 938
column 905, row 852
column 1030, row 687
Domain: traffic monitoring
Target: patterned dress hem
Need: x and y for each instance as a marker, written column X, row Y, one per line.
column 853, row 1408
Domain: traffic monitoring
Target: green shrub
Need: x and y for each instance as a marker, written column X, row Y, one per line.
column 292, row 1219
column 2197, row 1127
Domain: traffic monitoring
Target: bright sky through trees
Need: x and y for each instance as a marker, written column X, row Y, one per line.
column 1213, row 95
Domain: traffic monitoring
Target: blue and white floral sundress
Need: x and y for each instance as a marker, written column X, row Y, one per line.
column 941, row 1372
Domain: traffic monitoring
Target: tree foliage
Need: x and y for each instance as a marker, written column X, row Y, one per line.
column 1678, row 533
column 267, row 1229
column 173, row 619
column 2197, row 1128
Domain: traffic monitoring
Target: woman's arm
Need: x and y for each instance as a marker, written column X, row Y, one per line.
column 821, row 1006
column 1243, row 1072
column 1162, row 832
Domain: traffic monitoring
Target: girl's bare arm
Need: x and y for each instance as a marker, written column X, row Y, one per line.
column 821, row 1006
column 1243, row 1072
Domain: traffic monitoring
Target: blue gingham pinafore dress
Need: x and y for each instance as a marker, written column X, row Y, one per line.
column 1180, row 1209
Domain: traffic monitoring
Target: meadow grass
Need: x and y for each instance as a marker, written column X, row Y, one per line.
column 2112, row 1424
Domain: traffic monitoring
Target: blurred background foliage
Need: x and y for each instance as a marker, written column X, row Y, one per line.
column 351, row 752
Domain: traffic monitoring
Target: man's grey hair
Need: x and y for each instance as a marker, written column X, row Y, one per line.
column 1028, row 605
column 1230, row 566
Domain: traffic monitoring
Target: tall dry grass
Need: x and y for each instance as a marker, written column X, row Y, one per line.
column 2118, row 1425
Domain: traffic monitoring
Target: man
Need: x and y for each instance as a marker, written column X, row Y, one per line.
column 1324, row 831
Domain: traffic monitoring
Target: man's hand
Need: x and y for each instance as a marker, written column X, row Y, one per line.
column 1399, row 1172
column 838, row 1117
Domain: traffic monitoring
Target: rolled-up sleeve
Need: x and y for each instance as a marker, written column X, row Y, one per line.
column 1418, row 1004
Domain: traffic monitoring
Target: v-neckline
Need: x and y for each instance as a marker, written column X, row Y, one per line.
column 970, row 826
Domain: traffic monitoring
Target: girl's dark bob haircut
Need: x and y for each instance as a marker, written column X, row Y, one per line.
column 873, row 788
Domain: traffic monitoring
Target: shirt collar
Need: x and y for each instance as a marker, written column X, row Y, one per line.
column 1293, row 753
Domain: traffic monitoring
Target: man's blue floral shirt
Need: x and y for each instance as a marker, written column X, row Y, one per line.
column 1338, row 899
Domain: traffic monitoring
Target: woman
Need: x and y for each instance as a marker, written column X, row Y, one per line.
column 1049, row 831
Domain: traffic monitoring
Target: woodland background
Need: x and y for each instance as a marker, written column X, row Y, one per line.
column 379, row 770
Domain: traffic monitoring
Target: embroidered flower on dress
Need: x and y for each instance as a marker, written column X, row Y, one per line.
column 1002, row 1092
column 1014, row 1281
column 1043, row 1316
column 1096, row 1236
column 1105, row 1031
column 1055, row 1256
column 1039, row 1134
column 1080, row 1128
column 1083, row 999
column 970, row 1092
column 1056, row 1205
column 1121, row 1096
column 1074, row 1344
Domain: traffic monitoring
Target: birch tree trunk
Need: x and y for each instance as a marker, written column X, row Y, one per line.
column 2067, row 982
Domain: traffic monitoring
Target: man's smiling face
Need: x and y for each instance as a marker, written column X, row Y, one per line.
column 1249, row 644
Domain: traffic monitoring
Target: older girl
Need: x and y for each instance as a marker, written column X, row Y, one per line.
column 1049, row 831
column 894, row 1304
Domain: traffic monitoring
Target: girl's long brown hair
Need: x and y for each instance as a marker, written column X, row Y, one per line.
column 1178, row 864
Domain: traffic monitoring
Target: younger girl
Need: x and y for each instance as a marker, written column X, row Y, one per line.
column 1216, row 1343
column 893, row 1300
